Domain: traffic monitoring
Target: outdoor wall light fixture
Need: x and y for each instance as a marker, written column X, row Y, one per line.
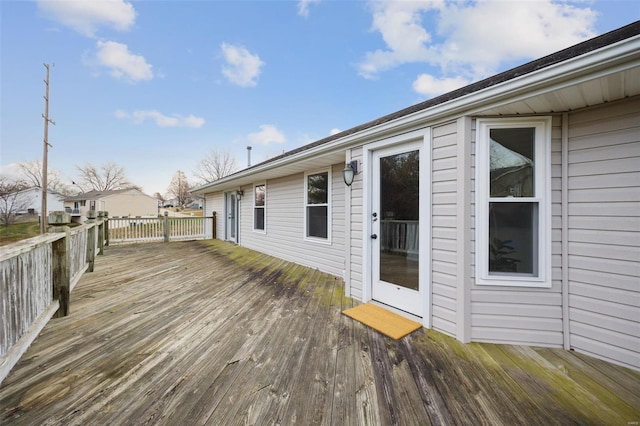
column 239, row 194
column 349, row 172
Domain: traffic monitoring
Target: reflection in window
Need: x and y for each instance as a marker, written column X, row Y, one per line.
column 511, row 162
column 400, row 226
column 513, row 238
column 259, row 194
column 317, row 206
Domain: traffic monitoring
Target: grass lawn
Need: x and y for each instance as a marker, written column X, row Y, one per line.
column 18, row 231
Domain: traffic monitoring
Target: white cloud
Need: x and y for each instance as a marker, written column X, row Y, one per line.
column 121, row 62
column 478, row 42
column 10, row 171
column 267, row 135
column 160, row 119
column 86, row 16
column 473, row 39
column 400, row 24
column 431, row 86
column 193, row 121
column 303, row 7
column 243, row 67
column 334, row 132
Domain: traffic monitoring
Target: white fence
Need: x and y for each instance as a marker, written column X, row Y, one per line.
column 140, row 229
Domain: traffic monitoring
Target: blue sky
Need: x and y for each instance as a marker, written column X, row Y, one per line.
column 155, row 85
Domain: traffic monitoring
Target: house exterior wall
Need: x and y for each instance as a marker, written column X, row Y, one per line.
column 355, row 281
column 32, row 199
column 284, row 218
column 445, row 262
column 604, row 231
column 523, row 315
column 214, row 202
column 447, row 269
column 128, row 204
column 603, row 265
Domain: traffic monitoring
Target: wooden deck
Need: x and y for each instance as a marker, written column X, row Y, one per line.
column 209, row 333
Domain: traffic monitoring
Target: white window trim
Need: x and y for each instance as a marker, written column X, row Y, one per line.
column 543, row 197
column 254, row 207
column 329, row 209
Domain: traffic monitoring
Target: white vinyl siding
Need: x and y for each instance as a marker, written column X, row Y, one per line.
column 604, row 232
column 528, row 316
column 355, row 250
column 444, row 264
column 285, row 224
column 214, row 203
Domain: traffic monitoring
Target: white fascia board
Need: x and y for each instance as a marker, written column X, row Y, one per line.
column 609, row 59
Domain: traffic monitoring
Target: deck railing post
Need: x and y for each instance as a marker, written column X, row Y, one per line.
column 213, row 221
column 92, row 235
column 101, row 232
column 106, row 228
column 61, row 263
column 166, row 226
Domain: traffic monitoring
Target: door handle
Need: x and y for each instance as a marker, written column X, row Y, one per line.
column 374, row 236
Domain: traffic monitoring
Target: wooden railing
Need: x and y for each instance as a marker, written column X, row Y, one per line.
column 36, row 277
column 400, row 236
column 140, row 229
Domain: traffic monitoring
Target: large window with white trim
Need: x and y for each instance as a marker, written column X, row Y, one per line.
column 259, row 207
column 317, row 205
column 513, row 202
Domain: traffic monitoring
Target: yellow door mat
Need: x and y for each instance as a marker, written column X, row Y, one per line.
column 386, row 322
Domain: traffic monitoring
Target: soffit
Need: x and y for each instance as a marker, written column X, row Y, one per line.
column 601, row 89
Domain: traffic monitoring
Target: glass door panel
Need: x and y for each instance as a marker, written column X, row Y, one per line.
column 399, row 222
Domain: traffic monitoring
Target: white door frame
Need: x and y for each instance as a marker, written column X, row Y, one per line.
column 231, row 197
column 421, row 139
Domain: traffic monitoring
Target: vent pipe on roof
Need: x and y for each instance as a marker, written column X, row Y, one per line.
column 249, row 156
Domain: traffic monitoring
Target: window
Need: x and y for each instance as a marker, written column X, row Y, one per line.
column 259, row 203
column 317, row 189
column 513, row 198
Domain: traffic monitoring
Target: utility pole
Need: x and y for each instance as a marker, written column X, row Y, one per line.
column 45, row 151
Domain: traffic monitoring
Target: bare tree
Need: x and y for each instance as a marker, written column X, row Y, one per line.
column 31, row 173
column 215, row 165
column 158, row 196
column 179, row 188
column 10, row 200
column 106, row 177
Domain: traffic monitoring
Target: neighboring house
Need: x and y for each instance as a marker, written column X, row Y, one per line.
column 507, row 211
column 197, row 203
column 30, row 201
column 129, row 202
column 173, row 202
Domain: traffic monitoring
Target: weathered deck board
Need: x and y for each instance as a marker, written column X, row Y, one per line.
column 209, row 333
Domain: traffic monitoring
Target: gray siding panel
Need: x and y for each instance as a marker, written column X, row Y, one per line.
column 284, row 236
column 444, row 260
column 604, row 232
column 527, row 316
column 214, row 202
column 357, row 205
